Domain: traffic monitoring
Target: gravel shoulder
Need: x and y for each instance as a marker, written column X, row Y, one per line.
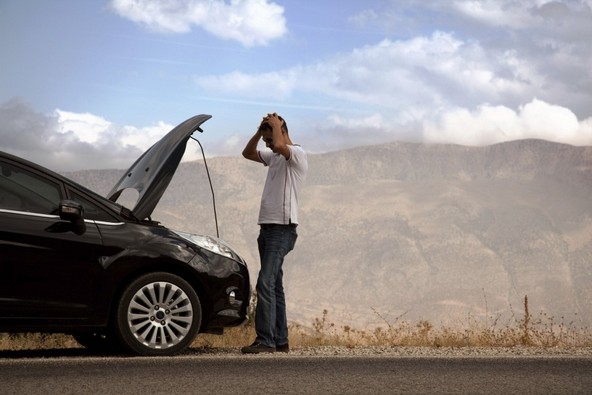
column 343, row 351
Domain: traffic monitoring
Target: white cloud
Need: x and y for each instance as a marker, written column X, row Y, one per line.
column 493, row 124
column 513, row 13
column 559, row 16
column 67, row 140
column 250, row 22
column 234, row 141
column 279, row 85
column 87, row 127
column 144, row 137
column 471, row 78
column 374, row 121
column 92, row 129
column 71, row 141
column 435, row 71
column 527, row 48
column 440, row 83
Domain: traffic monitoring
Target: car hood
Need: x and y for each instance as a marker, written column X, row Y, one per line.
column 151, row 174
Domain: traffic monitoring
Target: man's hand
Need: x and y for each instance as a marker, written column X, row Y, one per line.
column 274, row 136
column 273, row 120
column 280, row 139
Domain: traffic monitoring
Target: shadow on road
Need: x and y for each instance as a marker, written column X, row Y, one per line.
column 47, row 353
column 83, row 352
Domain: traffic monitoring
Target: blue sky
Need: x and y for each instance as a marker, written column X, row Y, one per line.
column 92, row 84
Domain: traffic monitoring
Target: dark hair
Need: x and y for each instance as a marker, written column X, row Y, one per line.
column 284, row 124
column 266, row 126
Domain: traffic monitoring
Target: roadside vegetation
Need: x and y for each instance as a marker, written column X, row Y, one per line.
column 527, row 330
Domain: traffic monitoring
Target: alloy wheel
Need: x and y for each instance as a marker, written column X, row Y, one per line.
column 160, row 315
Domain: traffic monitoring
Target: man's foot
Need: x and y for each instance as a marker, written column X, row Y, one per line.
column 257, row 348
column 283, row 348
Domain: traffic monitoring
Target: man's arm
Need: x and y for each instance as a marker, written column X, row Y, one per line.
column 250, row 151
column 280, row 138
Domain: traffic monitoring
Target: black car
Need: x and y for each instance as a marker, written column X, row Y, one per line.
column 72, row 261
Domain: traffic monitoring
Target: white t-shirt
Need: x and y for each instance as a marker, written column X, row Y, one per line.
column 279, row 202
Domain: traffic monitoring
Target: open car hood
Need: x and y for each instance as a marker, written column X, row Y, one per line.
column 151, row 174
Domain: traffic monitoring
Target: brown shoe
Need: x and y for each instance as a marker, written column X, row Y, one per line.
column 283, row 348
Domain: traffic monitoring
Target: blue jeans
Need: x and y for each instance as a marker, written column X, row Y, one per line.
column 271, row 323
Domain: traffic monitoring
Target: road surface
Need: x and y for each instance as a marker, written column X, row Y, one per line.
column 73, row 372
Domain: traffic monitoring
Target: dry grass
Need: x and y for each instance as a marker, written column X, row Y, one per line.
column 36, row 341
column 539, row 331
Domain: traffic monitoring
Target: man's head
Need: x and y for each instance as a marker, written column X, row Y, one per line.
column 266, row 130
column 266, row 126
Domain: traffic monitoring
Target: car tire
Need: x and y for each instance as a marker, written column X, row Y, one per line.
column 158, row 314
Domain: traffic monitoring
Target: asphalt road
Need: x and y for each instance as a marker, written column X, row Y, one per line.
column 285, row 374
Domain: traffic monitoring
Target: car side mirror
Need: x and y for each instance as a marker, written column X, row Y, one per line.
column 73, row 211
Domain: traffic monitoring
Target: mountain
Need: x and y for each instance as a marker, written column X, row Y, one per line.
column 403, row 231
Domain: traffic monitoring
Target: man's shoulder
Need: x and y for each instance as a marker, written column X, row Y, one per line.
column 298, row 159
column 297, row 149
column 265, row 157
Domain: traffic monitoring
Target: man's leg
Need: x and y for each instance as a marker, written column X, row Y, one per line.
column 274, row 243
column 281, row 329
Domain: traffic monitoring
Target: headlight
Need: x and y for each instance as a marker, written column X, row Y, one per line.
column 212, row 244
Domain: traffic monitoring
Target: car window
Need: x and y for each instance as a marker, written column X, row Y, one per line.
column 91, row 210
column 23, row 190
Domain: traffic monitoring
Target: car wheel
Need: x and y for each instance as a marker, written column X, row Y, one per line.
column 98, row 342
column 158, row 314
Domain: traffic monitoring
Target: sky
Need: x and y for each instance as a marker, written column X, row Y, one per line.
column 92, row 84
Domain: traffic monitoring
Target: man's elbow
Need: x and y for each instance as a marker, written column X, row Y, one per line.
column 250, row 155
column 284, row 150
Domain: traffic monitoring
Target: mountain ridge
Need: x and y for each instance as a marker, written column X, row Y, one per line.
column 412, row 231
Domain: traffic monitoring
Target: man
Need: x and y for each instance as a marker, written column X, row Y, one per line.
column 278, row 219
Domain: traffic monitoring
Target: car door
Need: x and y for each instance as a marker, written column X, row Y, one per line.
column 46, row 270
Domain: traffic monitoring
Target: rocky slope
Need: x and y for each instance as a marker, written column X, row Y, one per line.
column 443, row 233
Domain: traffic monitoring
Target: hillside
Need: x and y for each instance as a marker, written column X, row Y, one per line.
column 442, row 233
